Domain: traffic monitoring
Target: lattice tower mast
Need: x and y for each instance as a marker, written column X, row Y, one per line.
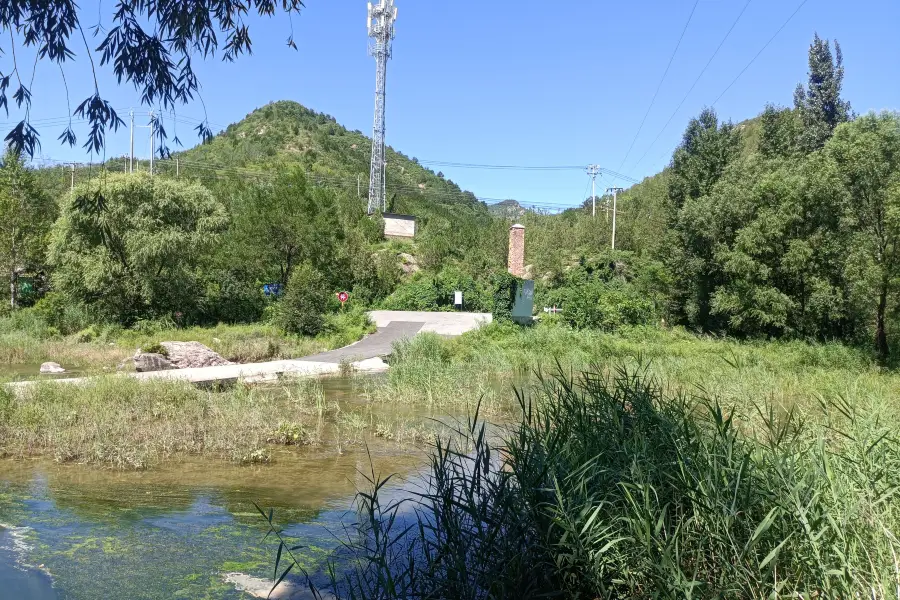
column 380, row 23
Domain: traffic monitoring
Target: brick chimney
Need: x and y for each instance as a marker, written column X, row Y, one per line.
column 516, row 262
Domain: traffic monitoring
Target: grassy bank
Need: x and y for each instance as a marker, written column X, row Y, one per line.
column 486, row 364
column 120, row 422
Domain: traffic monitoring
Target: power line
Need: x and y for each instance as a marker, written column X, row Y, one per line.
column 761, row 50
column 693, row 85
column 441, row 163
column 662, row 79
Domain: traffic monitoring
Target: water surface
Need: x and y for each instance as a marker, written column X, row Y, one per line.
column 175, row 531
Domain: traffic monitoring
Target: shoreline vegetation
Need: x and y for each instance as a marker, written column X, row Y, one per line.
column 123, row 423
column 609, row 486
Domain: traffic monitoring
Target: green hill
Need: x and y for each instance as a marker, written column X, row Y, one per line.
column 286, row 133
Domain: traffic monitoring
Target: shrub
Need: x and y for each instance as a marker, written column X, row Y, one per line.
column 62, row 313
column 230, row 297
column 304, row 302
column 504, row 287
column 420, row 293
column 599, row 305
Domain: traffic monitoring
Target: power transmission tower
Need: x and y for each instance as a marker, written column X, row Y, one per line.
column 615, row 192
column 593, row 171
column 380, row 23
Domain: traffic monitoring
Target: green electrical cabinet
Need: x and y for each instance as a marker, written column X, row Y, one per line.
column 523, row 307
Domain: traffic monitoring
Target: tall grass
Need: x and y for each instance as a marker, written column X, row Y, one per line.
column 126, row 423
column 612, row 487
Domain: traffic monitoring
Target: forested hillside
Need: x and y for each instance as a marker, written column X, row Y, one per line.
column 783, row 226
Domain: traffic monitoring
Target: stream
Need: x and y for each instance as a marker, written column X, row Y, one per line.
column 182, row 529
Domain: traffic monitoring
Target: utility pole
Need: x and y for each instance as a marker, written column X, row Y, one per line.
column 177, row 170
column 152, row 123
column 615, row 192
column 358, row 188
column 131, row 159
column 73, row 178
column 380, row 24
column 593, row 171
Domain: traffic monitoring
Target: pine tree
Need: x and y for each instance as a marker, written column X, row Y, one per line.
column 820, row 105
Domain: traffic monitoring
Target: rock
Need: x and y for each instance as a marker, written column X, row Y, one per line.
column 149, row 361
column 408, row 263
column 51, row 368
column 192, row 355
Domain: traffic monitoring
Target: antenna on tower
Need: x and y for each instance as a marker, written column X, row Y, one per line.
column 380, row 25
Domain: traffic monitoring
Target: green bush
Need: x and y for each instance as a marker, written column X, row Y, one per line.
column 607, row 307
column 305, row 300
column 420, row 293
column 230, row 297
column 62, row 313
column 435, row 291
column 504, row 296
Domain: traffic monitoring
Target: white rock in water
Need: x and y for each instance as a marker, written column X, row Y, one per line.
column 51, row 368
column 192, row 355
column 262, row 588
column 371, row 365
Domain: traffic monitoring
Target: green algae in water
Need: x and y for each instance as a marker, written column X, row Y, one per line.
column 175, row 532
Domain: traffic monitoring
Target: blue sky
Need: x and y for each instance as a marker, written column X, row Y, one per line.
column 523, row 83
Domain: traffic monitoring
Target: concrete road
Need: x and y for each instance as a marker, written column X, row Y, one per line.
column 377, row 344
column 394, row 325
column 441, row 323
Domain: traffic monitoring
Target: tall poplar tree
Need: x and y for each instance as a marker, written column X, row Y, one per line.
column 819, row 104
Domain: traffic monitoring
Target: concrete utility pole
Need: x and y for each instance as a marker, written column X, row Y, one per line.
column 131, row 159
column 615, row 192
column 593, row 171
column 152, row 124
column 380, row 24
column 73, row 178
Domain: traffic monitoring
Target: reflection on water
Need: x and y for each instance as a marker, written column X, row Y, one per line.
column 175, row 530
column 29, row 371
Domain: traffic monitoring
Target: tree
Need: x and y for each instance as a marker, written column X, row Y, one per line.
column 866, row 154
column 778, row 132
column 26, row 213
column 148, row 44
column 285, row 223
column 305, row 300
column 819, row 105
column 129, row 245
column 706, row 150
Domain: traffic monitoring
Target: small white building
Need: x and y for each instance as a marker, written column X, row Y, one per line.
column 399, row 226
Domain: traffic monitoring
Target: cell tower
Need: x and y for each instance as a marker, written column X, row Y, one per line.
column 380, row 23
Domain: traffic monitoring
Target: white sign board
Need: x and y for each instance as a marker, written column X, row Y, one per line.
column 457, row 298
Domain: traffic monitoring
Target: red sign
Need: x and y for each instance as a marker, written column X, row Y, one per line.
column 343, row 297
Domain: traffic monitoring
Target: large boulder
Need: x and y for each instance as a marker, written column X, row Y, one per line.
column 150, row 361
column 51, row 368
column 192, row 355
